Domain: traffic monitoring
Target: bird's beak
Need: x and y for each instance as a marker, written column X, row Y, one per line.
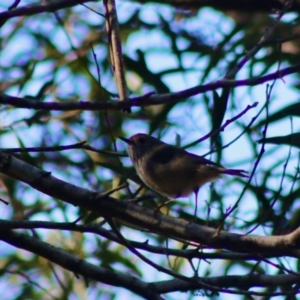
column 128, row 141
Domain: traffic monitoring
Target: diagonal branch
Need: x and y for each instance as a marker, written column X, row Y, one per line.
column 124, row 211
column 79, row 266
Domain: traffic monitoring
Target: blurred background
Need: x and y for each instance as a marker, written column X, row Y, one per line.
column 63, row 56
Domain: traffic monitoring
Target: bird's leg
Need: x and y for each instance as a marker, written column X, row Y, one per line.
column 196, row 204
column 167, row 202
column 162, row 205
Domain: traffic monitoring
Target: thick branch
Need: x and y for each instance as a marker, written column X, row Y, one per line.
column 242, row 282
column 125, row 211
column 108, row 234
column 147, row 290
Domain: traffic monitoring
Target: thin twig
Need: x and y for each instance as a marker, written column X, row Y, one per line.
column 212, row 133
column 80, row 145
column 250, row 54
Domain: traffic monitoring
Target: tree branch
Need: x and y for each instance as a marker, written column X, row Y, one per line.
column 115, row 48
column 108, row 234
column 125, row 211
column 79, row 266
column 231, row 281
column 145, row 100
column 32, row 9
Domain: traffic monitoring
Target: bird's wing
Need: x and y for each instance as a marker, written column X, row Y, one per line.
column 166, row 153
column 200, row 160
column 163, row 155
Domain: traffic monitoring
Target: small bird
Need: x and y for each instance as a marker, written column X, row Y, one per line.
column 172, row 171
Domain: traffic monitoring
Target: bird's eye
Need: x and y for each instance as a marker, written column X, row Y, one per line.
column 141, row 140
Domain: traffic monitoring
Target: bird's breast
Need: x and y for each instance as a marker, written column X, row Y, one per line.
column 163, row 179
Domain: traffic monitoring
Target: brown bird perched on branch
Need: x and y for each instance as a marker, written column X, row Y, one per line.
column 172, row 171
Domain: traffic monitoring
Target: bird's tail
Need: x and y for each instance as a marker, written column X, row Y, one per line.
column 236, row 172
